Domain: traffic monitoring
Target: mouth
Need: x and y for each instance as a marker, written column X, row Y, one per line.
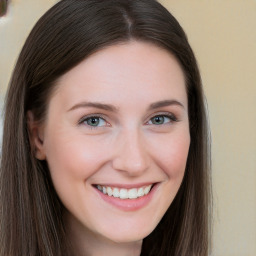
column 124, row 193
column 127, row 197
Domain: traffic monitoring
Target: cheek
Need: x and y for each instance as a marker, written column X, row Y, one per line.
column 73, row 157
column 72, row 161
column 172, row 155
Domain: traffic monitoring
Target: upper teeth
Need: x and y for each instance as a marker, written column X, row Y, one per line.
column 124, row 193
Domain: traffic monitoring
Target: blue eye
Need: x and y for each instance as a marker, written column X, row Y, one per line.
column 94, row 121
column 161, row 119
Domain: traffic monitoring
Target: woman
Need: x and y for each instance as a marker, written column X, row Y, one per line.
column 105, row 138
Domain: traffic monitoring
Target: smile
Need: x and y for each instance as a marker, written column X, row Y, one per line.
column 124, row 193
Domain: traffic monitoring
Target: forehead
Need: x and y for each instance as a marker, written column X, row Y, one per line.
column 136, row 68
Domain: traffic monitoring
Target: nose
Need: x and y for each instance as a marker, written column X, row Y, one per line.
column 131, row 154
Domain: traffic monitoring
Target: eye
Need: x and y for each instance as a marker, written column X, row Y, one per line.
column 94, row 121
column 162, row 119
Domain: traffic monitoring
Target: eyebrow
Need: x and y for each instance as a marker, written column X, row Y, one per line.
column 112, row 108
column 107, row 107
column 165, row 103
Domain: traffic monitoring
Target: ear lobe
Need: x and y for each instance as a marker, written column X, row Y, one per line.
column 36, row 139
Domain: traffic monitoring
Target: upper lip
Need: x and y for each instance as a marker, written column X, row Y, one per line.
column 127, row 186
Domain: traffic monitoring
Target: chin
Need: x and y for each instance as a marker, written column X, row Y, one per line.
column 129, row 236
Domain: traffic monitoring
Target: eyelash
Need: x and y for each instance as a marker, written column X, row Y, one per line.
column 172, row 118
column 86, row 118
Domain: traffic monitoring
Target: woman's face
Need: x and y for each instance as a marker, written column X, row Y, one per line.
column 116, row 139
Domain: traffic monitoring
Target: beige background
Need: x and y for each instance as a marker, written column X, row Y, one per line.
column 223, row 36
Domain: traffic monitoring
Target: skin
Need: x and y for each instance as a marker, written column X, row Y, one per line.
column 126, row 147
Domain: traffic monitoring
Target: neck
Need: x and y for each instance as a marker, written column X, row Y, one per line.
column 87, row 243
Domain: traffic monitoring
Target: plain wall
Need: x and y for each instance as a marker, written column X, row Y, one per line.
column 223, row 36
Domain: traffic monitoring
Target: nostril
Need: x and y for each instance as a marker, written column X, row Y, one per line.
column 133, row 167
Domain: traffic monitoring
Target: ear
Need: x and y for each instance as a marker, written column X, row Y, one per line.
column 36, row 136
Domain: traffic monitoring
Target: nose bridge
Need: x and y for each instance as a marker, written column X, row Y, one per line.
column 131, row 155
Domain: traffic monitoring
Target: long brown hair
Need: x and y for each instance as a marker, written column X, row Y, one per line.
column 31, row 221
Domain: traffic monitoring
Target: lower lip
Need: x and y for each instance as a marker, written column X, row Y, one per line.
column 129, row 204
